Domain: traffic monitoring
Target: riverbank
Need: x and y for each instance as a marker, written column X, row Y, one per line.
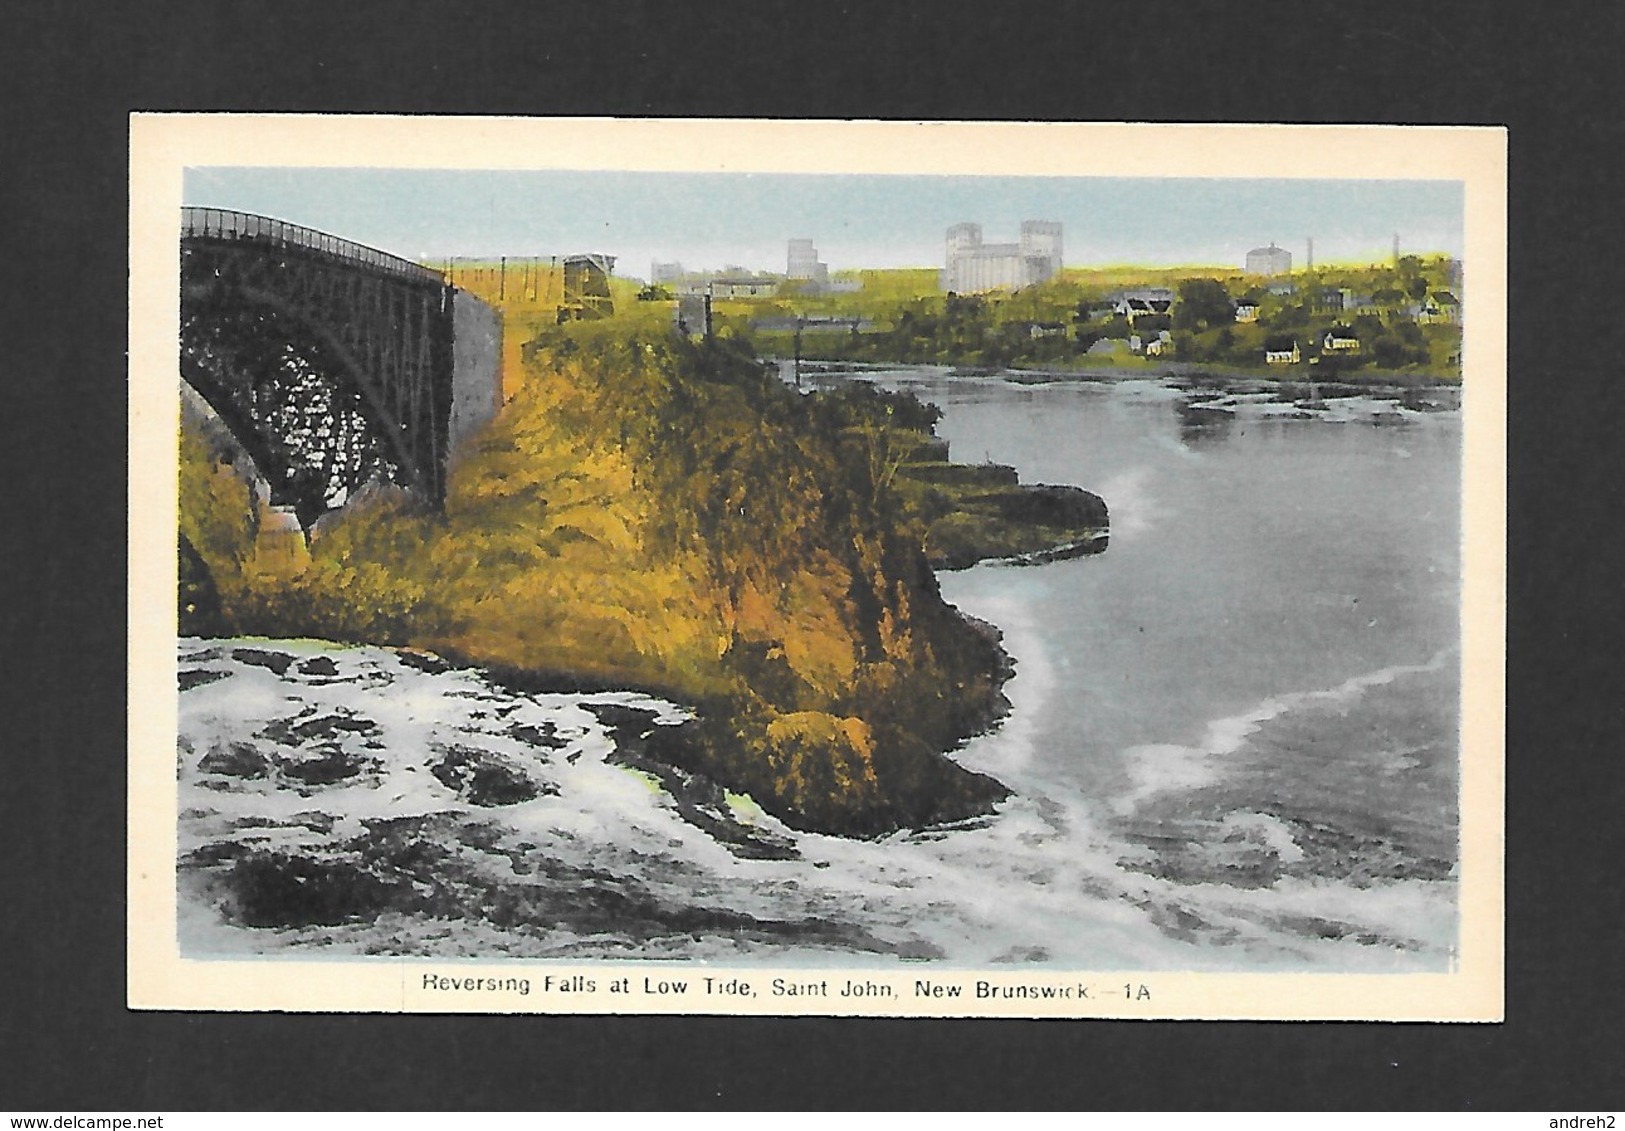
column 652, row 515
column 1281, row 374
column 1142, row 370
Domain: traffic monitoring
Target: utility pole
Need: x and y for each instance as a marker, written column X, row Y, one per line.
column 800, row 319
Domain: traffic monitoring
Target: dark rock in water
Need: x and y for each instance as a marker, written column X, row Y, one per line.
column 273, row 889
column 235, row 759
column 631, row 728
column 308, row 726
column 544, row 736
column 1034, row 523
column 423, row 662
column 197, row 677
column 643, row 743
column 326, row 766
column 484, row 778
column 319, row 756
column 1045, row 505
column 319, row 666
column 215, row 852
column 278, row 662
column 312, row 819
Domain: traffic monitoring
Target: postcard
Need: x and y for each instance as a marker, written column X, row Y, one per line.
column 794, row 568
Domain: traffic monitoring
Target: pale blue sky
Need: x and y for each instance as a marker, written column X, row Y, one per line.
column 708, row 220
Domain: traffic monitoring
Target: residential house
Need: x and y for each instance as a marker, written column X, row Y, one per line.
column 1439, row 307
column 1038, row 330
column 1331, row 300
column 1145, row 301
column 1246, row 311
column 1281, row 351
column 1339, row 340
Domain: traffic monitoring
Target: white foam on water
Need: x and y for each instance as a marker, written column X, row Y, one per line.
column 1134, row 508
column 967, row 893
column 1148, row 388
column 1039, row 881
column 1163, row 767
column 1008, row 750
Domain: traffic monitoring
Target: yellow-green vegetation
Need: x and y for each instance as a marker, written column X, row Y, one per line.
column 652, row 513
column 1404, row 315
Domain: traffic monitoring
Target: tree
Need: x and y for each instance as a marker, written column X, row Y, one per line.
column 1203, row 303
column 1367, row 326
column 1290, row 317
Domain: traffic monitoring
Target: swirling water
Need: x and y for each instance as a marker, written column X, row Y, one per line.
column 1233, row 741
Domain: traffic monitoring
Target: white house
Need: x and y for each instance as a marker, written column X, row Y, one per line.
column 1143, row 302
column 1440, row 306
column 1282, row 355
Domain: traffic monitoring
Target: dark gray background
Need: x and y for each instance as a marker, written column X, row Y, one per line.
column 69, row 75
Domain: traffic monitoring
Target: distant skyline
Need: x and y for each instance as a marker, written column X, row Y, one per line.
column 709, row 220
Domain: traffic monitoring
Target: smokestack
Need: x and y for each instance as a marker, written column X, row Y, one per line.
column 1396, row 249
column 1311, row 264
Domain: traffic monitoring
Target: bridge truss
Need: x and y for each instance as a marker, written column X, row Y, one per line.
column 329, row 361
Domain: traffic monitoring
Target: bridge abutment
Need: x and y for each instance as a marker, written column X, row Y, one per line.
column 476, row 382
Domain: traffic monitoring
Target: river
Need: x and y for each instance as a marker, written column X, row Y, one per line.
column 1232, row 746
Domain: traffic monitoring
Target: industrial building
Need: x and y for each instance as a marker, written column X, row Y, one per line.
column 1269, row 260
column 976, row 266
column 803, row 263
column 586, row 287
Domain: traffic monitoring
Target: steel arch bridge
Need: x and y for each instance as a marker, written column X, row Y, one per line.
column 332, row 364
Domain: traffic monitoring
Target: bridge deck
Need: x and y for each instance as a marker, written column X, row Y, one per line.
column 227, row 224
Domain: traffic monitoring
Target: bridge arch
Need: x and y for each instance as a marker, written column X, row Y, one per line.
column 331, row 363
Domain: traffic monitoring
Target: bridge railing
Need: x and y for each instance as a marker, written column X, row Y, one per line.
column 227, row 224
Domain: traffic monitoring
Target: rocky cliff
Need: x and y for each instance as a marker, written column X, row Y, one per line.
column 653, row 514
